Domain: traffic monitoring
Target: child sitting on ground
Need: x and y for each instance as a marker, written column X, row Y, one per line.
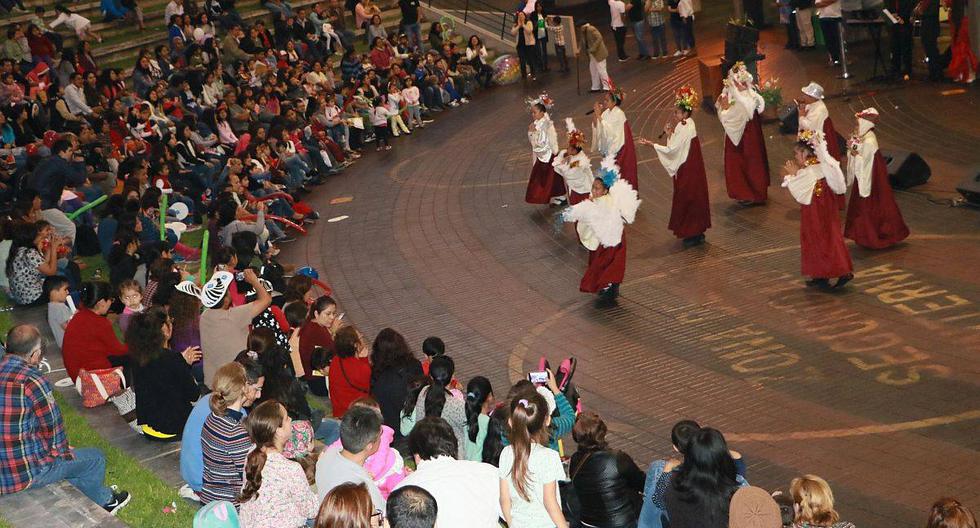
column 131, row 295
column 386, row 466
column 60, row 309
column 434, row 347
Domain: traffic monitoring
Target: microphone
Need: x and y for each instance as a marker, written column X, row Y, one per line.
column 590, row 112
column 662, row 134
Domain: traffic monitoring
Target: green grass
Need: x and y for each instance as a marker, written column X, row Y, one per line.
column 150, row 493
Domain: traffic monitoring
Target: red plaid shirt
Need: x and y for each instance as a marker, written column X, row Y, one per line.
column 32, row 432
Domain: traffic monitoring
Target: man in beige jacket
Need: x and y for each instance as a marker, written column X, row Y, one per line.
column 593, row 43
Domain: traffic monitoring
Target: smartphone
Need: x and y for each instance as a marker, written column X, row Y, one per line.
column 538, row 377
column 341, row 316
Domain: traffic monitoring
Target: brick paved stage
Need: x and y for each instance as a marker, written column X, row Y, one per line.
column 874, row 388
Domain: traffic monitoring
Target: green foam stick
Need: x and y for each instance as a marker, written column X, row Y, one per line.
column 163, row 216
column 204, row 256
column 86, row 207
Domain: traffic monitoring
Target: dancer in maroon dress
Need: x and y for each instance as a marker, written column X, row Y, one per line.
column 814, row 179
column 544, row 185
column 746, row 160
column 612, row 135
column 600, row 224
column 690, row 214
column 873, row 218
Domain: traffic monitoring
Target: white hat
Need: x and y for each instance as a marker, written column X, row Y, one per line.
column 189, row 288
column 545, row 393
column 179, row 210
column 214, row 290
column 814, row 90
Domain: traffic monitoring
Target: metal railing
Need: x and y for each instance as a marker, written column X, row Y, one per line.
column 480, row 14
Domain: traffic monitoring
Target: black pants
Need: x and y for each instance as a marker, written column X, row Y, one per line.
column 381, row 135
column 929, row 33
column 528, row 56
column 542, row 46
column 620, row 34
column 792, row 33
column 689, row 31
column 831, row 37
column 562, row 59
column 902, row 49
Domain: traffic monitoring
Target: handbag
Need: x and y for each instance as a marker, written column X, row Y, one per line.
column 125, row 403
column 571, row 506
column 97, row 386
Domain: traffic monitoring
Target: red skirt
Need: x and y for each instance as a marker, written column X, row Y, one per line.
column 690, row 214
column 875, row 222
column 626, row 158
column 544, row 183
column 823, row 252
column 747, row 165
column 607, row 265
column 963, row 60
column 574, row 197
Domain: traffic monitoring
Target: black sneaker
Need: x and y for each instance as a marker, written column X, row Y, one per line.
column 118, row 501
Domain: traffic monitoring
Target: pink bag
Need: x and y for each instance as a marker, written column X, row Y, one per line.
column 300, row 443
column 97, row 386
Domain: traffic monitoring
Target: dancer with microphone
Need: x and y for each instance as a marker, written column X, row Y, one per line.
column 612, row 135
column 690, row 214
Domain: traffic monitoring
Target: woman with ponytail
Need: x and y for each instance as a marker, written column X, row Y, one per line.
column 529, row 470
column 276, row 491
column 479, row 402
column 318, row 332
column 224, row 440
column 437, row 400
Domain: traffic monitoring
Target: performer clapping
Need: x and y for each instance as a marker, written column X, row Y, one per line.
column 601, row 220
column 574, row 166
column 690, row 214
column 814, row 178
column 612, row 135
column 746, row 161
column 873, row 218
column 543, row 185
column 814, row 116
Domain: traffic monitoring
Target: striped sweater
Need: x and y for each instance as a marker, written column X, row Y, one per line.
column 225, row 445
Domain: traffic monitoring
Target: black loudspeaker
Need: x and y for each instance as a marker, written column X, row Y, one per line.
column 789, row 119
column 970, row 189
column 906, row 169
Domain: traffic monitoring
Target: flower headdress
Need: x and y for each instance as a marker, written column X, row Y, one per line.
column 810, row 137
column 739, row 72
column 686, row 98
column 544, row 100
column 575, row 136
column 608, row 171
column 616, row 93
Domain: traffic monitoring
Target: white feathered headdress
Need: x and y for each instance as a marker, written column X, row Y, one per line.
column 606, row 216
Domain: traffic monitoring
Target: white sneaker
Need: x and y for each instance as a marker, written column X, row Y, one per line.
column 464, row 100
column 185, row 492
column 678, row 53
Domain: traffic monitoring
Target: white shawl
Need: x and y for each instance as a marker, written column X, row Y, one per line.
column 544, row 139
column 816, row 114
column 601, row 220
column 577, row 171
column 674, row 153
column 861, row 160
column 745, row 103
column 610, row 134
column 801, row 184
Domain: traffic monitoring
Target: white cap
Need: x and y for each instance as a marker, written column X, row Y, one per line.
column 214, row 290
column 814, row 90
column 545, row 393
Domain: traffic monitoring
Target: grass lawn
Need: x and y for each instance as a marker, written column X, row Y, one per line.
column 150, row 493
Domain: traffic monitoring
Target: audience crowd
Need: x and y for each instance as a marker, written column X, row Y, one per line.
column 230, row 126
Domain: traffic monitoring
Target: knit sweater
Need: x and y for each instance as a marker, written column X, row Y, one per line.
column 225, row 445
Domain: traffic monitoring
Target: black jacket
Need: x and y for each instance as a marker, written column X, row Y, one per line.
column 390, row 388
column 609, row 487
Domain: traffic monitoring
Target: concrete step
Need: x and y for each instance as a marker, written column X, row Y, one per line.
column 59, row 505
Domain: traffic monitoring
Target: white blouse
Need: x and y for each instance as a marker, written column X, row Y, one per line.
column 544, row 139
column 861, row 159
column 745, row 103
column 576, row 169
column 609, row 135
column 674, row 153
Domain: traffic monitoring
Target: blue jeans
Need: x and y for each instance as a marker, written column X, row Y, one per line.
column 659, row 34
column 414, row 34
column 328, row 431
column 86, row 471
column 640, row 41
column 680, row 33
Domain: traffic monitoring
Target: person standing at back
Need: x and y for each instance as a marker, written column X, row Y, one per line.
column 635, row 12
column 617, row 10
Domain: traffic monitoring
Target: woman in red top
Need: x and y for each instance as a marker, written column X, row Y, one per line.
column 350, row 370
column 90, row 343
column 41, row 48
column 321, row 323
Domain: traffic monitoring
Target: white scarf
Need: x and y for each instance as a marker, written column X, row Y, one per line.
column 609, row 135
column 576, row 169
column 861, row 160
column 544, row 139
column 674, row 153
